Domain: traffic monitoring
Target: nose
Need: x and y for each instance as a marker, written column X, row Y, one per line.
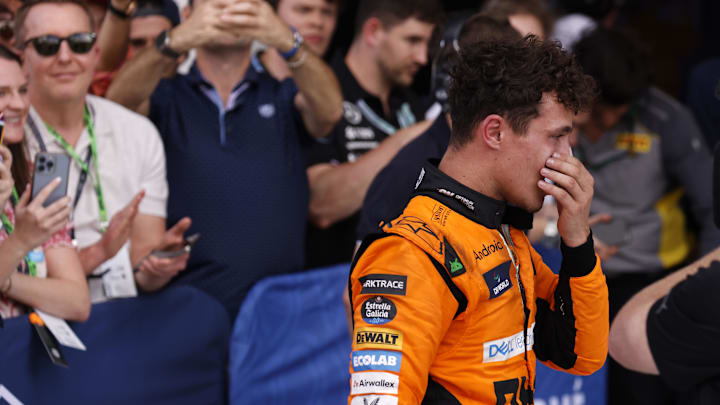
column 421, row 54
column 316, row 19
column 64, row 53
column 17, row 102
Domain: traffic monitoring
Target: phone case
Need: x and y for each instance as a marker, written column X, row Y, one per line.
column 48, row 166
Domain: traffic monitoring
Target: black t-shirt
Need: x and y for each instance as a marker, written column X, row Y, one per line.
column 362, row 128
column 683, row 331
column 393, row 186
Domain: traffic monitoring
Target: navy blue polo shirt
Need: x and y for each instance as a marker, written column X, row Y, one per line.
column 392, row 188
column 238, row 171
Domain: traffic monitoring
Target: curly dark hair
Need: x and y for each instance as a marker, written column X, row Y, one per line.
column 508, row 77
column 618, row 61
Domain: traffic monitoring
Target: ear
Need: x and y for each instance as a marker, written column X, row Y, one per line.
column 373, row 31
column 490, row 131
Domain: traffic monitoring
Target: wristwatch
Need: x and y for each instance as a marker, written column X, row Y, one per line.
column 162, row 43
column 124, row 14
column 297, row 42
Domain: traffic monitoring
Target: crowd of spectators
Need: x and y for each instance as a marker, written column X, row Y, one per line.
column 238, row 122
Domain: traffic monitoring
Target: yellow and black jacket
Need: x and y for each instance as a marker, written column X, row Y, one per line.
column 442, row 315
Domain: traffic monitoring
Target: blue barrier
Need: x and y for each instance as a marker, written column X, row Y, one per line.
column 164, row 348
column 291, row 343
column 558, row 388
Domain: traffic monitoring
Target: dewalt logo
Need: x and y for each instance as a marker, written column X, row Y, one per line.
column 378, row 338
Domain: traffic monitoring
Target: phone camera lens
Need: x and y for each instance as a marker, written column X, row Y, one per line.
column 41, row 168
column 41, row 159
column 49, row 164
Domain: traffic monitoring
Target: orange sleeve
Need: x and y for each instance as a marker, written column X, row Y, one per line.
column 572, row 319
column 401, row 310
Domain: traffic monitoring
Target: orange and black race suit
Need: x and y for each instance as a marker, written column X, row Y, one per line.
column 452, row 305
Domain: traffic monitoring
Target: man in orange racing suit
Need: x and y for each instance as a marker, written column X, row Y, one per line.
column 450, row 302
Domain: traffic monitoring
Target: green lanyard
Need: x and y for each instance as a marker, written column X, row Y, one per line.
column 10, row 228
column 84, row 167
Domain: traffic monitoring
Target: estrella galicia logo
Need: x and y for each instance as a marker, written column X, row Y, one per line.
column 452, row 260
column 378, row 310
column 498, row 280
column 383, row 284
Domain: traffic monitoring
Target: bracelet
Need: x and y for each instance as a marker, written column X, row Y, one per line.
column 9, row 286
column 297, row 42
column 301, row 61
column 123, row 14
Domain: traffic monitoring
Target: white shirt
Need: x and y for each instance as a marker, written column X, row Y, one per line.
column 130, row 157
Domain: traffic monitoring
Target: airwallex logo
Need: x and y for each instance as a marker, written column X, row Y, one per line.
column 374, row 383
column 508, row 347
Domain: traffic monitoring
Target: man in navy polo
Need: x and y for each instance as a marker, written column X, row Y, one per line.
column 233, row 140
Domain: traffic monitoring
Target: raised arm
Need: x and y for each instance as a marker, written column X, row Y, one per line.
column 114, row 36
column 336, row 192
column 137, row 80
column 319, row 99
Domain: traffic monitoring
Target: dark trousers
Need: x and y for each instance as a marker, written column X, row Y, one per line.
column 625, row 386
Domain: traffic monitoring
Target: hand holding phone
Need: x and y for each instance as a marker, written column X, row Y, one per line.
column 49, row 166
column 186, row 247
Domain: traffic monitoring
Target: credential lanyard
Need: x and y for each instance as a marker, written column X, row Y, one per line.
column 84, row 164
column 10, row 228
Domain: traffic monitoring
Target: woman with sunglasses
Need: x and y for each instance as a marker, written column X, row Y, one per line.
column 34, row 239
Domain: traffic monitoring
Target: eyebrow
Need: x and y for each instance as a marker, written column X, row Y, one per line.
column 562, row 130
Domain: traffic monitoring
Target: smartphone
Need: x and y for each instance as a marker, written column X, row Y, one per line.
column 613, row 233
column 187, row 246
column 48, row 166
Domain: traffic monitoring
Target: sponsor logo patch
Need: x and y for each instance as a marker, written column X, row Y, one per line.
column 422, row 230
column 378, row 310
column 508, row 347
column 488, row 250
column 378, row 338
column 452, row 261
column 440, row 214
column 266, row 110
column 634, row 143
column 498, row 280
column 383, row 360
column 383, row 284
column 470, row 204
column 374, row 383
column 374, row 400
column 351, row 113
column 420, row 178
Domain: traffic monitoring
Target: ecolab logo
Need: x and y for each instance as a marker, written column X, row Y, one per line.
column 376, row 360
column 508, row 347
column 488, row 250
column 374, row 383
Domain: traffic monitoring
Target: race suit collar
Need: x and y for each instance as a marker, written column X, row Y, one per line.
column 486, row 211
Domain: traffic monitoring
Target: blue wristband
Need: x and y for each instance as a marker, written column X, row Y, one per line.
column 297, row 42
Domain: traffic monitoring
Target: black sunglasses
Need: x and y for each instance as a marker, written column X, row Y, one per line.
column 49, row 45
